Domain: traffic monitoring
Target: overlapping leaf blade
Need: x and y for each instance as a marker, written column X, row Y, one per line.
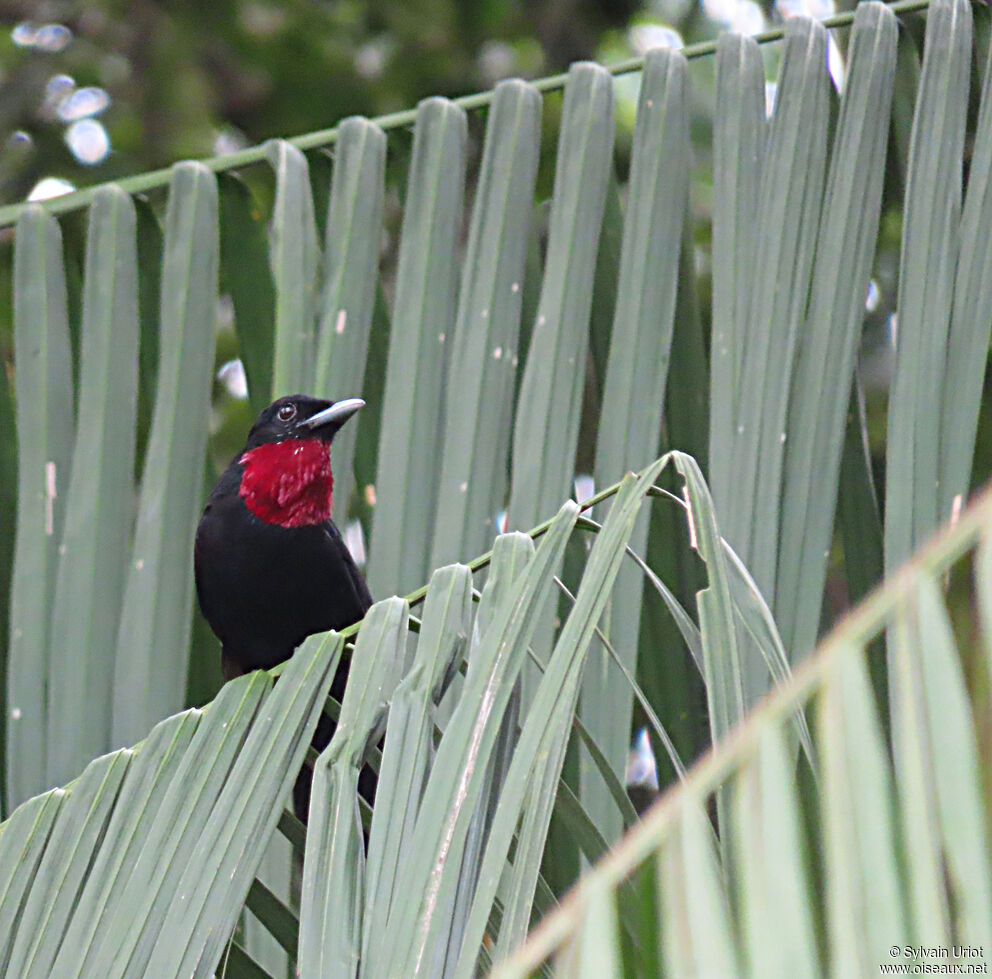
column 65, row 865
column 445, row 627
column 148, row 779
column 788, row 223
column 938, row 770
column 211, row 887
column 864, row 894
column 547, row 418
column 148, row 886
column 22, row 846
column 333, row 890
column 695, row 922
column 94, row 546
column 832, row 330
column 635, row 382
column 774, row 888
column 423, row 319
column 294, row 258
column 971, row 315
column 739, row 137
column 44, row 449
column 351, row 263
column 459, row 771
column 150, row 667
column 479, row 412
column 926, row 282
column 539, row 754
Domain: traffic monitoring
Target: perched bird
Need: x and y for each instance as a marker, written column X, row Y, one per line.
column 271, row 567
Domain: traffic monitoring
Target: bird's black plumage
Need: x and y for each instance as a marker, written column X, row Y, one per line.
column 269, row 570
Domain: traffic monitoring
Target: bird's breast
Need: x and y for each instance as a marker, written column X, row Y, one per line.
column 288, row 484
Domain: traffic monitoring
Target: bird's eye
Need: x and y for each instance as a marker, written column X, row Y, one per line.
column 287, row 413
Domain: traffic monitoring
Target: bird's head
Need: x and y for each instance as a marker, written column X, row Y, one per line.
column 286, row 476
column 301, row 417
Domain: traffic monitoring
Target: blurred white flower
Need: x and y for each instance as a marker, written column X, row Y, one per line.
column 84, row 102
column 88, row 141
column 873, row 298
column 354, row 539
column 49, row 187
column 642, row 769
column 44, row 37
column 232, row 376
column 496, row 60
column 643, row 37
column 742, row 16
column 585, row 487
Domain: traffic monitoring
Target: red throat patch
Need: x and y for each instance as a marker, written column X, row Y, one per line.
column 288, row 483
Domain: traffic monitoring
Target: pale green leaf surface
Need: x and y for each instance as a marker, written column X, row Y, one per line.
column 952, row 775
column 351, row 267
column 511, row 554
column 124, row 942
column 739, row 136
column 696, row 932
column 547, row 417
column 460, row 767
column 445, row 627
column 540, row 751
column 98, row 516
column 62, row 872
column 377, row 663
column 983, row 579
column 212, row 884
column 333, row 887
column 865, row 911
column 926, row 282
column 150, row 668
column 788, row 221
column 479, row 407
column 294, row 256
column 971, row 317
column 635, row 387
column 549, row 400
column 44, row 447
column 772, row 881
column 22, row 846
column 423, row 319
column 721, row 663
column 148, row 778
column 926, row 899
column 831, row 333
column 596, row 953
column 754, row 615
column 856, row 900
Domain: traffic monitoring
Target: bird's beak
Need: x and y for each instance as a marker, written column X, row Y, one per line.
column 333, row 417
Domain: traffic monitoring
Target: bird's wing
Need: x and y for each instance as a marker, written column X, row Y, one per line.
column 355, row 578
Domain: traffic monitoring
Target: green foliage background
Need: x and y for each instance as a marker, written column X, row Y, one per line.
column 552, row 297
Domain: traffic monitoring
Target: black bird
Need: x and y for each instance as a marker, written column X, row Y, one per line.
column 271, row 567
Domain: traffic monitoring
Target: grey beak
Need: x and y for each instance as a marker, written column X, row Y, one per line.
column 336, row 415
